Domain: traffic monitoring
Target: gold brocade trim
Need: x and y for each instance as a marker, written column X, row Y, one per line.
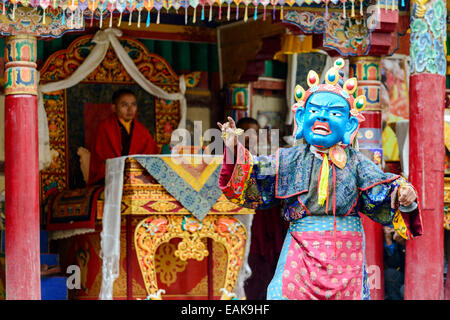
column 154, row 199
column 195, row 182
column 159, row 229
column 201, row 288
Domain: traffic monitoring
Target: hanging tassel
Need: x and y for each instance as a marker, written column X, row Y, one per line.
column 64, row 17
column 344, row 15
column 43, row 17
column 403, row 3
column 120, row 19
column 129, row 19
column 185, row 16
column 228, row 12
column 378, row 10
column 264, row 16
column 157, row 18
column 110, row 20
column 148, row 19
column 101, row 19
column 326, row 10
column 203, row 12
column 273, row 13
column 237, row 11
column 393, row 5
column 353, row 8
column 246, row 13
column 139, row 19
column 195, row 15
column 281, row 13
column 220, row 11
column 210, row 13
column 323, row 181
column 255, row 14
column 14, row 11
column 92, row 18
column 361, row 8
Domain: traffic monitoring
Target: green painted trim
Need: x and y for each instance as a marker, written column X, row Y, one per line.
column 199, row 56
column 213, row 58
column 268, row 68
column 164, row 49
column 181, row 56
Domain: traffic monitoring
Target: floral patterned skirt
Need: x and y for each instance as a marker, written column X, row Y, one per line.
column 317, row 264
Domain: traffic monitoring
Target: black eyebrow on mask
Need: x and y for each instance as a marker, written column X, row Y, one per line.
column 321, row 106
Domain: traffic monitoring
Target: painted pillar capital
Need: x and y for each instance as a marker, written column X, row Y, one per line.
column 21, row 76
column 368, row 72
column 428, row 37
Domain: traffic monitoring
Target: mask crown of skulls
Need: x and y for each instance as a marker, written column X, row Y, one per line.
column 327, row 114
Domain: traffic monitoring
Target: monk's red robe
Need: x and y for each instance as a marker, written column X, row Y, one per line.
column 108, row 144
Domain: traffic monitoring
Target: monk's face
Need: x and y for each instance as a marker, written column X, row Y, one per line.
column 126, row 107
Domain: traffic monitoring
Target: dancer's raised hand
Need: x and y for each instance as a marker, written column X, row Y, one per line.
column 230, row 133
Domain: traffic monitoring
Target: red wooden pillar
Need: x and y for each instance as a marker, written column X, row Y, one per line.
column 367, row 71
column 21, row 170
column 424, row 266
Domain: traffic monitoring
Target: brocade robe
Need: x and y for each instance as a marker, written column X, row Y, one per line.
column 323, row 252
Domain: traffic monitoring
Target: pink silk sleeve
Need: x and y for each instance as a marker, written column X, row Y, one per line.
column 227, row 169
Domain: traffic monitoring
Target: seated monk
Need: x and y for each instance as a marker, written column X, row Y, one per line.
column 119, row 135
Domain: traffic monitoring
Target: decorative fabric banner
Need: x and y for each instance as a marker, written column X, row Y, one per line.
column 190, row 179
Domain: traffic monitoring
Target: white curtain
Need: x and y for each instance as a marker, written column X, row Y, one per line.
column 110, row 235
column 102, row 39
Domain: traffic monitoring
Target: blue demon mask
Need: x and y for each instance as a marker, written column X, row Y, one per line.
column 327, row 114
